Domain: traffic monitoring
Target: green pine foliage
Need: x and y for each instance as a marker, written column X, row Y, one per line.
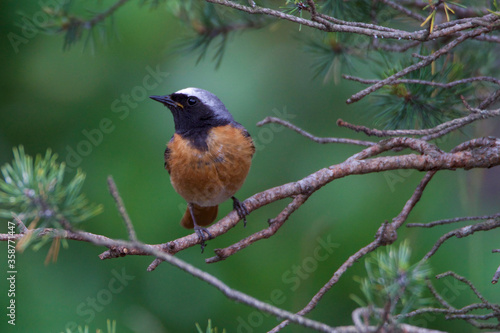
column 414, row 105
column 357, row 10
column 400, row 106
column 332, row 54
column 211, row 25
column 392, row 283
column 34, row 190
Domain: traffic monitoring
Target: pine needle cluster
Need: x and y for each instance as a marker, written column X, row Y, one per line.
column 392, row 283
column 35, row 191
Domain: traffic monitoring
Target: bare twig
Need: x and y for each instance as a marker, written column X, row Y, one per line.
column 453, row 313
column 455, row 123
column 417, row 194
column 121, row 208
column 463, row 232
column 418, row 145
column 102, row 16
column 66, row 234
column 386, row 235
column 308, row 135
column 190, row 269
column 425, row 62
column 453, row 220
column 429, row 83
column 274, row 225
column 360, row 314
column 330, row 24
column 338, row 273
column 467, row 159
column 22, row 227
column 404, row 10
column 467, row 282
column 426, row 162
column 496, row 276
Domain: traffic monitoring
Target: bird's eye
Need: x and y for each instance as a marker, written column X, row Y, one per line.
column 192, row 101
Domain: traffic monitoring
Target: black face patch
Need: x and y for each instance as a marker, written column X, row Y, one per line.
column 194, row 119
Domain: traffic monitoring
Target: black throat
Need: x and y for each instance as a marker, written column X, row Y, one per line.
column 197, row 136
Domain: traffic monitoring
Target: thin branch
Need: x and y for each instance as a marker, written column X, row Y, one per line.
column 237, row 295
column 274, row 225
column 496, row 276
column 397, row 48
column 431, row 162
column 61, row 233
column 488, row 38
column 410, row 204
column 438, row 297
column 452, row 313
column 121, row 208
column 270, row 12
column 455, row 123
column 484, row 104
column 453, row 220
column 490, row 100
column 316, row 180
column 428, row 83
column 360, row 314
column 404, row 10
column 463, row 310
column 386, row 235
column 22, row 227
column 467, row 282
column 308, row 135
column 374, row 27
column 463, row 232
column 448, row 308
column 427, row 61
column 192, row 270
column 418, row 145
column 89, row 24
column 325, row 23
column 336, row 276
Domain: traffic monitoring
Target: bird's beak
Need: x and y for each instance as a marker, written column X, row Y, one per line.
column 167, row 101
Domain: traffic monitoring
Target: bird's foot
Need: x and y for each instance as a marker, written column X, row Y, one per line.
column 241, row 210
column 199, row 231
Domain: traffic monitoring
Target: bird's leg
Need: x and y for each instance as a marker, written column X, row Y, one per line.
column 241, row 210
column 199, row 230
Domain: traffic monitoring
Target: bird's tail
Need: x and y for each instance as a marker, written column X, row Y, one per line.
column 203, row 215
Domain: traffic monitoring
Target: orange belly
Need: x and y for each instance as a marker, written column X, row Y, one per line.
column 210, row 177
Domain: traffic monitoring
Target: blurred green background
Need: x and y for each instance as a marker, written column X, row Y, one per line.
column 51, row 98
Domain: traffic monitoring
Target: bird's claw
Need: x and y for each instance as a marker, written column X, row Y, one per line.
column 241, row 210
column 199, row 231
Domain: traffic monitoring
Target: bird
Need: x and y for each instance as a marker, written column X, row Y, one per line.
column 208, row 157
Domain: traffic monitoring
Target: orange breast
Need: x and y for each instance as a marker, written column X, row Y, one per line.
column 210, row 177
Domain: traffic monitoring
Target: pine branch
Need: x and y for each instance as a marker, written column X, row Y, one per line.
column 308, row 135
column 425, row 62
column 465, row 312
column 90, row 23
column 476, row 153
column 453, row 220
column 439, row 129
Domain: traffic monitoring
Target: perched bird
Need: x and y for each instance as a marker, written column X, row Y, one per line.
column 208, row 157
